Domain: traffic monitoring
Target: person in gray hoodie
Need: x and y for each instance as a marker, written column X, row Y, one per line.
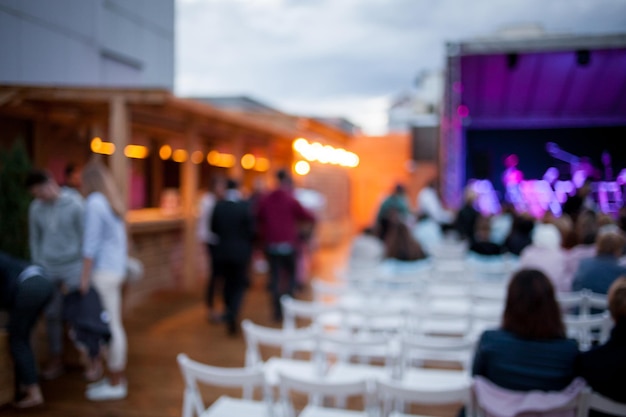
column 55, row 217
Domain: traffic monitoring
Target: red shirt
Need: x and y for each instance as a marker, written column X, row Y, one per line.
column 278, row 215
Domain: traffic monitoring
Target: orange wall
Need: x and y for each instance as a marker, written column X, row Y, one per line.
column 384, row 161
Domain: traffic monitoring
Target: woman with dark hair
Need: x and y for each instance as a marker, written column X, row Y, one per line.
column 530, row 351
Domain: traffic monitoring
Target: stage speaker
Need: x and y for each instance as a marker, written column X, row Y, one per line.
column 511, row 61
column 583, row 57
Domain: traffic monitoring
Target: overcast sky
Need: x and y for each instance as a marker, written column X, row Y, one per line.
column 348, row 57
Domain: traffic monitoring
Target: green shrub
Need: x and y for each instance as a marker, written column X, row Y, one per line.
column 14, row 200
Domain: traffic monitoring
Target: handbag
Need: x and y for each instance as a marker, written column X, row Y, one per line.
column 134, row 269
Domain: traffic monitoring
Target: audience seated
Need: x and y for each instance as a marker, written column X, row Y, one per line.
column 428, row 233
column 482, row 244
column 400, row 244
column 546, row 255
column 530, row 350
column 465, row 221
column 598, row 273
column 604, row 368
column 586, row 230
column 502, row 223
column 519, row 237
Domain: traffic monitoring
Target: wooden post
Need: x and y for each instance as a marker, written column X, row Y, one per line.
column 119, row 134
column 189, row 191
column 236, row 171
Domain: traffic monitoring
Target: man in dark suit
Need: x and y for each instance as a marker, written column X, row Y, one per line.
column 233, row 225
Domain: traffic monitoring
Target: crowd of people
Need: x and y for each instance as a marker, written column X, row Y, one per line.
column 78, row 246
column 79, row 252
column 580, row 249
column 274, row 224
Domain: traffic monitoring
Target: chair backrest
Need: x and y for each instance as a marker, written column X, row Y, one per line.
column 298, row 309
column 393, row 396
column 415, row 350
column 345, row 347
column 287, row 340
column 320, row 390
column 327, row 292
column 491, row 399
column 195, row 372
column 587, row 329
column 594, row 401
column 376, row 318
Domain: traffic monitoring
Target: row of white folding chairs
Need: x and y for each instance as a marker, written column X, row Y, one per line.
column 379, row 398
column 324, row 349
column 445, row 309
column 408, row 275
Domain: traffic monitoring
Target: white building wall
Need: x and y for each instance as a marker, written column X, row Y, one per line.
column 126, row 43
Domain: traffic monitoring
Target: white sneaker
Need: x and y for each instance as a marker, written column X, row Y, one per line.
column 106, row 391
column 92, row 385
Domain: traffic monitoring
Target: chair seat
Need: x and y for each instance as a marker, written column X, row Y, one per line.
column 226, row 406
column 314, row 411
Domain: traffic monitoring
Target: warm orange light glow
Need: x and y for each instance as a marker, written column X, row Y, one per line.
column 197, row 157
column 213, row 158
column 262, row 164
column 248, row 161
column 101, row 147
column 165, row 152
column 136, row 151
column 302, row 167
column 223, row 160
column 299, row 144
column 96, row 143
column 227, row 160
column 179, row 155
column 325, row 154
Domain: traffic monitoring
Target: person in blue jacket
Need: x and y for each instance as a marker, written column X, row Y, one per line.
column 24, row 292
column 530, row 350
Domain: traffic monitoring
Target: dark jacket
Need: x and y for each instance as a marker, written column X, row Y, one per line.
column 597, row 273
column 87, row 319
column 233, row 224
column 604, row 368
column 10, row 269
column 522, row 364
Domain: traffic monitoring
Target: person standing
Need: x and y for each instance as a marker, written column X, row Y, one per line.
column 233, row 224
column 55, row 234
column 24, row 292
column 209, row 239
column 278, row 215
column 105, row 255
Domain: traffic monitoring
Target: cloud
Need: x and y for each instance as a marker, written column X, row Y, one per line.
column 328, row 54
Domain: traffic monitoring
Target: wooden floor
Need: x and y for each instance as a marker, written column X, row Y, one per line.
column 158, row 329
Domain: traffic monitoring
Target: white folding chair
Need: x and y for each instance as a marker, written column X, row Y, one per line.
column 373, row 318
column 416, row 350
column 327, row 292
column 319, row 391
column 312, row 312
column 288, row 341
column 245, row 378
column 394, row 397
column 588, row 329
column 593, row 401
column 360, row 348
